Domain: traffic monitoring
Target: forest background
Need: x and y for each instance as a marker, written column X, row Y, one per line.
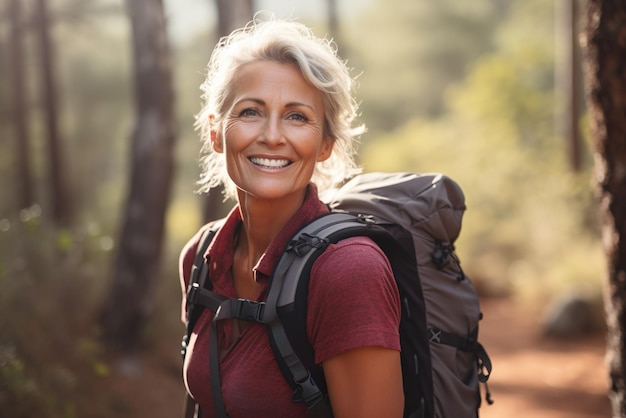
column 474, row 92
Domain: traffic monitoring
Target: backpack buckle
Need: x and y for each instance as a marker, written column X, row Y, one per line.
column 307, row 391
column 249, row 310
column 368, row 220
column 192, row 294
column 306, row 242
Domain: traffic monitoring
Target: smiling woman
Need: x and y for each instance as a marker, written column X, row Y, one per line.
column 288, row 43
column 272, row 134
column 277, row 126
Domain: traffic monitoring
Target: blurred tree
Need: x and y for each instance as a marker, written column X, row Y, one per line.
column 97, row 104
column 568, row 79
column 62, row 205
column 605, row 59
column 131, row 297
column 23, row 178
column 333, row 21
column 233, row 14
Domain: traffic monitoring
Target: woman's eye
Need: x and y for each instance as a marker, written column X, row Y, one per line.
column 248, row 112
column 298, row 117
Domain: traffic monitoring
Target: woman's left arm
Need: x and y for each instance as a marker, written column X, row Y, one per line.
column 365, row 382
column 354, row 315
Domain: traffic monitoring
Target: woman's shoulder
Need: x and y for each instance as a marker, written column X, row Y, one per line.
column 350, row 260
column 357, row 250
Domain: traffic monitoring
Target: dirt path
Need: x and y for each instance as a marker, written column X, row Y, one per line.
column 532, row 376
column 538, row 377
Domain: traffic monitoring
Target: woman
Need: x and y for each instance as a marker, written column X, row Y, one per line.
column 276, row 127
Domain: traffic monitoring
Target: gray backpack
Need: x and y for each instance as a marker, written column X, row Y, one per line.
column 415, row 219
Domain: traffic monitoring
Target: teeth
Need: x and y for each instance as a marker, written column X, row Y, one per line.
column 267, row 162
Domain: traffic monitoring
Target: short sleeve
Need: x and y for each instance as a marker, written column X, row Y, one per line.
column 353, row 300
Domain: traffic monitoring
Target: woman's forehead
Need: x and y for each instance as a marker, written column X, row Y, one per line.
column 270, row 80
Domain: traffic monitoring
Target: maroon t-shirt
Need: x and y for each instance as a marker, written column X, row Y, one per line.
column 353, row 302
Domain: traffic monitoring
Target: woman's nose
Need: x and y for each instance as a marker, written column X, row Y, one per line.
column 272, row 133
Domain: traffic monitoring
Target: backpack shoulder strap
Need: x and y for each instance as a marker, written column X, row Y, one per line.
column 310, row 242
column 196, row 298
column 197, row 280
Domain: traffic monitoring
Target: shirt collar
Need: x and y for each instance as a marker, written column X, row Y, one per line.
column 220, row 253
column 311, row 208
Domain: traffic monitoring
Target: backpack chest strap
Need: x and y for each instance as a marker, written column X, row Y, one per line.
column 243, row 309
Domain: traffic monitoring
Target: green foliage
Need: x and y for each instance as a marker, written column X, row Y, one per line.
column 410, row 51
column 529, row 220
column 49, row 286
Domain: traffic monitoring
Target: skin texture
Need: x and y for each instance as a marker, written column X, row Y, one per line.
column 272, row 135
column 366, row 383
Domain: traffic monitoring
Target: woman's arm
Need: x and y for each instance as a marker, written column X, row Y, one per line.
column 365, row 382
column 353, row 320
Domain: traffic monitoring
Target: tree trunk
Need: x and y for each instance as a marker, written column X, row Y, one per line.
column 568, row 80
column 605, row 59
column 130, row 301
column 333, row 22
column 23, row 179
column 59, row 189
column 233, row 14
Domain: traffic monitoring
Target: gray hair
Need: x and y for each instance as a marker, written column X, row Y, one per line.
column 285, row 42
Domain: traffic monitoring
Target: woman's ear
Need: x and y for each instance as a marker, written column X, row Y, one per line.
column 326, row 149
column 216, row 137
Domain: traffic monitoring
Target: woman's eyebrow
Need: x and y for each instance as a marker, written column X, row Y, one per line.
column 262, row 102
column 298, row 104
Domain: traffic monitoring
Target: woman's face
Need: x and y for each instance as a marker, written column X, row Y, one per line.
column 272, row 133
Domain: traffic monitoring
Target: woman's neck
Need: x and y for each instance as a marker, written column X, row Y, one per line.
column 263, row 220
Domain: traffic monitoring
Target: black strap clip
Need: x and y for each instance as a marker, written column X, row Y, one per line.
column 192, row 293
column 249, row 310
column 306, row 242
column 307, row 392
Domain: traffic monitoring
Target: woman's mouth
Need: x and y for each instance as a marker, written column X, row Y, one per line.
column 270, row 162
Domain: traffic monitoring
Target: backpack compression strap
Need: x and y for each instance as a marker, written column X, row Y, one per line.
column 470, row 345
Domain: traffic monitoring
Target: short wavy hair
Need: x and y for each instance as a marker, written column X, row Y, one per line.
column 283, row 41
